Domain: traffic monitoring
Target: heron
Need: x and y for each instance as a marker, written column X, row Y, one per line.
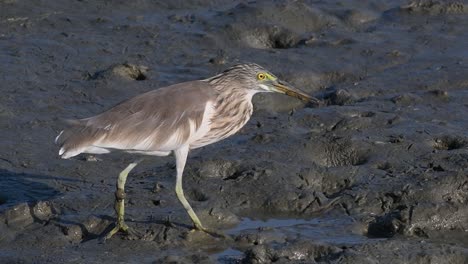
column 173, row 119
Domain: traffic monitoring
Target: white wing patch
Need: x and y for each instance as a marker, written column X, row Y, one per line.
column 176, row 140
column 205, row 125
column 145, row 144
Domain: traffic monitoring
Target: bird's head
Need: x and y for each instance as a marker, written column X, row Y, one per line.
column 255, row 77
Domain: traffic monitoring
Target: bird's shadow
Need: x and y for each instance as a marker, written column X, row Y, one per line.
column 17, row 188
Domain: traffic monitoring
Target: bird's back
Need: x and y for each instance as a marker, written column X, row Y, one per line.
column 156, row 121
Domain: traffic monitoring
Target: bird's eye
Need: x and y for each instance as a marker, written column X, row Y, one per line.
column 261, row 76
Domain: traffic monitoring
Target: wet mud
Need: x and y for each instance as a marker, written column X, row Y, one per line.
column 377, row 174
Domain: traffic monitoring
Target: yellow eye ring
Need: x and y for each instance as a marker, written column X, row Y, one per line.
column 261, row 76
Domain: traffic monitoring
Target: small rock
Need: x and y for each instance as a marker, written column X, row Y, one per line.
column 73, row 233
column 339, row 97
column 43, row 211
column 258, row 254
column 406, row 99
column 92, row 158
column 157, row 187
column 95, row 225
column 439, row 94
column 159, row 202
column 386, row 226
column 19, row 216
column 220, row 58
column 262, row 138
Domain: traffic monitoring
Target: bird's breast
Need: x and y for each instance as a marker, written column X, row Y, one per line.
column 228, row 117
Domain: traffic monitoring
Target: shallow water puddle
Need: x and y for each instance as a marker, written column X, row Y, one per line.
column 228, row 255
column 328, row 230
column 249, row 223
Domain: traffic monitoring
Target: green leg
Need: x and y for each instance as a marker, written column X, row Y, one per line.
column 119, row 205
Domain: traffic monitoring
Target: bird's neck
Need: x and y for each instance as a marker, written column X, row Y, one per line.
column 232, row 98
column 235, row 104
column 236, row 96
column 232, row 110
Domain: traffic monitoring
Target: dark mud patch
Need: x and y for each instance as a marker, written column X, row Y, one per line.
column 293, row 252
column 442, row 94
column 432, row 7
column 197, row 195
column 450, row 143
column 386, row 226
column 337, row 151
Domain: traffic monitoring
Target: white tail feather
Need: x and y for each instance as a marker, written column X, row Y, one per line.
column 57, row 138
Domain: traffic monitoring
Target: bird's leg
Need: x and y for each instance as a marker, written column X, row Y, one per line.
column 181, row 158
column 119, row 205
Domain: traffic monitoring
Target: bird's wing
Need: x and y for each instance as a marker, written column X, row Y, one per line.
column 159, row 120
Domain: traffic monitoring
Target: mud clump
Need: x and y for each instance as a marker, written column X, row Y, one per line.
column 270, row 38
column 357, row 17
column 26, row 214
column 435, row 7
column 217, row 168
column 74, row 233
column 386, row 226
column 297, row 251
column 440, row 94
column 43, row 211
column 406, row 99
column 339, row 97
column 19, row 216
column 130, row 71
column 126, row 71
column 197, row 195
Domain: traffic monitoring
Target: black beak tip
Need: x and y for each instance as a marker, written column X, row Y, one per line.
column 314, row 102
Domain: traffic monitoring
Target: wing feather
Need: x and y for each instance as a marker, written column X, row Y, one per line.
column 159, row 120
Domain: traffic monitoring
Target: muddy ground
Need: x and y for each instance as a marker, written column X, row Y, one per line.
column 376, row 175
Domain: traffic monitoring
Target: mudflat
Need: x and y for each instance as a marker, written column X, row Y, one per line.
column 378, row 174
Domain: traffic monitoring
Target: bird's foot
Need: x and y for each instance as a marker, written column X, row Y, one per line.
column 210, row 232
column 124, row 228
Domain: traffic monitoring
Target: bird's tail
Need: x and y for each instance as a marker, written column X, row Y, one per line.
column 74, row 139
